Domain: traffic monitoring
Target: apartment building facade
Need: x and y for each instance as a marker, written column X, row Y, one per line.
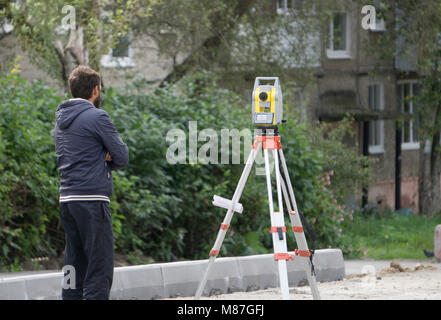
column 352, row 80
column 349, row 80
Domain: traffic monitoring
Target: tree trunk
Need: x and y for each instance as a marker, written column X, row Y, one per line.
column 429, row 175
column 221, row 26
column 72, row 54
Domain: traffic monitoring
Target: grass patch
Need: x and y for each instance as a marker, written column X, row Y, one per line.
column 388, row 236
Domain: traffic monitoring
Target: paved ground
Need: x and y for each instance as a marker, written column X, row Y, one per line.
column 365, row 280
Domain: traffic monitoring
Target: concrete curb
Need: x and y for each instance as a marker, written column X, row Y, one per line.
column 164, row 280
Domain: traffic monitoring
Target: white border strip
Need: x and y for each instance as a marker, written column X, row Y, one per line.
column 84, row 198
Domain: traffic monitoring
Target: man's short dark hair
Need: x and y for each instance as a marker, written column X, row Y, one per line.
column 82, row 80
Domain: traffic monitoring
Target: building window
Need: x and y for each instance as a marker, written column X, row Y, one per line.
column 121, row 56
column 409, row 137
column 339, row 36
column 376, row 127
column 283, row 6
column 5, row 27
column 379, row 22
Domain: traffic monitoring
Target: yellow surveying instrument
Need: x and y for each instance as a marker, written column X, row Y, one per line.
column 267, row 111
column 267, row 102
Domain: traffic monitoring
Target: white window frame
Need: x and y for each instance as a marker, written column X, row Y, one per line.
column 428, row 145
column 6, row 28
column 376, row 149
column 380, row 25
column 109, row 61
column 408, row 145
column 284, row 8
column 339, row 54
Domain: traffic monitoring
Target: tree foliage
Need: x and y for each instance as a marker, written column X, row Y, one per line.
column 97, row 26
column 158, row 208
column 28, row 176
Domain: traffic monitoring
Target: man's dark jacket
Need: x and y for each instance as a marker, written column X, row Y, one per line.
column 83, row 136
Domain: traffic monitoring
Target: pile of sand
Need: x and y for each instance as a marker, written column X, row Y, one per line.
column 395, row 267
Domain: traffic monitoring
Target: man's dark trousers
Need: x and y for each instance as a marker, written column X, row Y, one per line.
column 89, row 248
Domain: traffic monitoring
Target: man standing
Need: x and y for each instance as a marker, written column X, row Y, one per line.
column 88, row 148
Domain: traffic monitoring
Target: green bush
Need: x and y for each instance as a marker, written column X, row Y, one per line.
column 158, row 209
column 28, row 176
column 168, row 207
column 178, row 217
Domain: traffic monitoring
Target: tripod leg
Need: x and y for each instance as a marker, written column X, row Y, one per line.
column 277, row 226
column 278, row 187
column 223, row 230
column 297, row 227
